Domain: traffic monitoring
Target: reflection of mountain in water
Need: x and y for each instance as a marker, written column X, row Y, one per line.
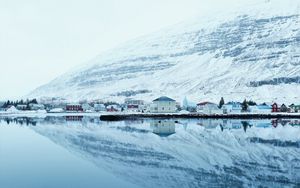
column 195, row 156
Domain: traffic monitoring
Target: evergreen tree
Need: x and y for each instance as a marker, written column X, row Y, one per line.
column 244, row 105
column 251, row 103
column 34, row 101
column 222, row 102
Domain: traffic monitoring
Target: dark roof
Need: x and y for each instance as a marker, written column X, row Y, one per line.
column 204, row 103
column 164, row 98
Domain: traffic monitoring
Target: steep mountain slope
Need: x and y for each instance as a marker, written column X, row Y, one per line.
column 252, row 53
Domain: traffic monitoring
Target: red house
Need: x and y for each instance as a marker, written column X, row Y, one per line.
column 74, row 108
column 275, row 107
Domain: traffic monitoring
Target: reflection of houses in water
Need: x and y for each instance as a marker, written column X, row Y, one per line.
column 163, row 127
column 134, row 121
column 231, row 124
column 148, row 162
column 210, row 123
column 261, row 123
column 21, row 120
column 74, row 118
column 295, row 122
column 284, row 122
column 274, row 122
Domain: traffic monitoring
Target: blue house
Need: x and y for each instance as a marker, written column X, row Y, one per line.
column 260, row 109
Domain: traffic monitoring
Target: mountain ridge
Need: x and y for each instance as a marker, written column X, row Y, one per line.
column 202, row 61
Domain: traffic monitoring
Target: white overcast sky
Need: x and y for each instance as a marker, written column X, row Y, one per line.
column 41, row 39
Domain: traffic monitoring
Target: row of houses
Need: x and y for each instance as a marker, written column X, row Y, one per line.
column 167, row 105
column 160, row 105
column 236, row 107
column 163, row 104
column 23, row 107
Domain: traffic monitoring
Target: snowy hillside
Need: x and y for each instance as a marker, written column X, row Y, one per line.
column 252, row 53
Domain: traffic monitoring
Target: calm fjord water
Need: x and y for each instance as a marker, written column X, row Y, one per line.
column 79, row 151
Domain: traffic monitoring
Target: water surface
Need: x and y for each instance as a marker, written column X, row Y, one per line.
column 78, row 151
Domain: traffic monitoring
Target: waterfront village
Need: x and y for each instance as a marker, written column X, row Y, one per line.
column 162, row 104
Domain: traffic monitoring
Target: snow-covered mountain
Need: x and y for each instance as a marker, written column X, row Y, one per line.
column 251, row 53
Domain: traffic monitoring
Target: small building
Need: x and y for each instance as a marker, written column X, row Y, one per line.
column 56, row 110
column 86, row 107
column 133, row 105
column 131, row 101
column 275, row 108
column 22, row 107
column 260, row 109
column 208, row 108
column 34, row 106
column 11, row 109
column 284, row 108
column 232, row 108
column 163, row 105
column 74, row 108
column 200, row 106
column 112, row 108
column 99, row 107
column 294, row 108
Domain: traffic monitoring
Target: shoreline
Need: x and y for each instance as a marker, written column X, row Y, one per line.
column 104, row 116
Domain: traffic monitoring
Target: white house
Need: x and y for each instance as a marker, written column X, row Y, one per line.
column 99, row 107
column 87, row 107
column 21, row 107
column 56, row 110
column 208, row 108
column 12, row 109
column 260, row 109
column 163, row 105
column 232, row 108
column 131, row 101
column 34, row 106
